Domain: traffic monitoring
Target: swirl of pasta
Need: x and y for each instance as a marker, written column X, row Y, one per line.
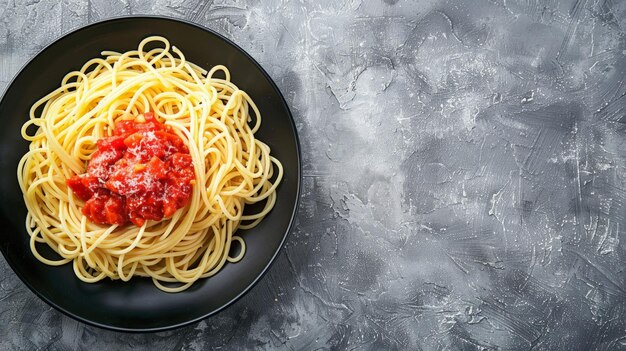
column 216, row 120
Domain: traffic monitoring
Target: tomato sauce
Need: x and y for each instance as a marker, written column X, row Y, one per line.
column 142, row 172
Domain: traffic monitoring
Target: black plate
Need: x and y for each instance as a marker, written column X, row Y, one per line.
column 138, row 305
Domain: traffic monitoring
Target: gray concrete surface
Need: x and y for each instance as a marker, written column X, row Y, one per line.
column 464, row 175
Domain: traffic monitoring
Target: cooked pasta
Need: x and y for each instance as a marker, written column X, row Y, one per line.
column 215, row 120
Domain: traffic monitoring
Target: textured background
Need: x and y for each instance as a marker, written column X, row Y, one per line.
column 464, row 175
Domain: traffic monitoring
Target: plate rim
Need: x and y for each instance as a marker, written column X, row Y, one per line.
column 292, row 218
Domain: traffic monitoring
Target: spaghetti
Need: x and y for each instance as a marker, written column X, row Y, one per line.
column 216, row 121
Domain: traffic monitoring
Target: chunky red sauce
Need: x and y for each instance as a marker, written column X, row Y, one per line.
column 144, row 171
